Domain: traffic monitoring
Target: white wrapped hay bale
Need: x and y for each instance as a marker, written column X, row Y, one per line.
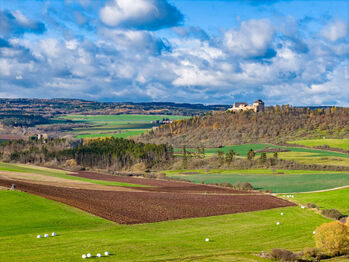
column 99, row 255
column 278, row 223
column 38, row 236
column 46, row 235
column 207, row 239
column 53, row 234
column 106, row 253
column 89, row 255
column 83, row 256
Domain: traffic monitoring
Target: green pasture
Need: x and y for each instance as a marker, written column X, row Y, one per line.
column 242, row 150
column 114, row 125
column 256, row 171
column 58, row 173
column 124, row 134
column 338, row 199
column 277, row 183
column 298, row 154
column 311, row 158
column 234, row 237
column 337, row 143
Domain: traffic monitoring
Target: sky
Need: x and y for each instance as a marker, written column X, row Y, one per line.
column 210, row 52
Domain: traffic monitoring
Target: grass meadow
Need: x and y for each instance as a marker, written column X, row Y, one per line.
column 283, row 183
column 298, row 154
column 123, row 126
column 337, row 143
column 234, row 237
column 338, row 199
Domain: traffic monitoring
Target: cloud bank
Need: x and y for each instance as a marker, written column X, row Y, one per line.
column 126, row 59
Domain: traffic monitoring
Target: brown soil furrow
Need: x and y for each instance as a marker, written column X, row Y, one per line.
column 161, row 185
column 147, row 207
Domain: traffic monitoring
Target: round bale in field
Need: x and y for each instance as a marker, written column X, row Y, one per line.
column 89, row 255
column 46, row 235
column 38, row 236
column 53, row 234
column 314, row 232
column 277, row 223
column 282, row 213
column 99, row 255
column 106, row 253
column 207, row 239
column 83, row 256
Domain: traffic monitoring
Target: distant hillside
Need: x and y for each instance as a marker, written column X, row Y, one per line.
column 54, row 107
column 275, row 125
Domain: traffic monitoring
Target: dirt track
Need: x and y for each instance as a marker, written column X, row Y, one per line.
column 169, row 200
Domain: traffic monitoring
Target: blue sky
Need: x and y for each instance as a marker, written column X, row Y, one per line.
column 284, row 52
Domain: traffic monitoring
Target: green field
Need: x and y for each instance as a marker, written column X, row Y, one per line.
column 290, row 181
column 234, row 237
column 338, row 199
column 301, row 155
column 257, row 171
column 337, row 143
column 58, row 173
column 114, row 125
column 242, row 150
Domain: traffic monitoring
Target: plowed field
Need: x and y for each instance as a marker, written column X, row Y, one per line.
column 166, row 200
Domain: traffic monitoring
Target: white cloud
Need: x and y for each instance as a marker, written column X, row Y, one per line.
column 132, row 39
column 252, row 39
column 140, row 14
column 335, row 30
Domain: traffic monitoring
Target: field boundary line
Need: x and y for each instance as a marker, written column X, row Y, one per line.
column 316, row 191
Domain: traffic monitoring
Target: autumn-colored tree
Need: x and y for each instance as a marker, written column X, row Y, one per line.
column 263, row 158
column 332, row 238
column 251, row 154
column 229, row 156
column 220, row 157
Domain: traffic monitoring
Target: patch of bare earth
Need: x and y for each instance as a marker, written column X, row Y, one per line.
column 167, row 201
column 162, row 185
column 56, row 181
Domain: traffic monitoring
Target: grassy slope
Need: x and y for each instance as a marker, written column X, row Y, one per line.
column 58, row 173
column 337, row 143
column 258, row 171
column 338, row 199
column 277, row 183
column 234, row 237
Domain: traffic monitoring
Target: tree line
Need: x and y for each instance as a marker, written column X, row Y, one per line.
column 102, row 153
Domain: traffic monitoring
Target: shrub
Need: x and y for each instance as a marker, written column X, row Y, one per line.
column 332, row 213
column 226, row 184
column 332, row 238
column 283, row 255
column 243, row 186
column 311, row 205
column 311, row 253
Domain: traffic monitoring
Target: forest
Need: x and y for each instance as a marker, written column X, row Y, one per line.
column 278, row 124
column 18, row 119
column 103, row 153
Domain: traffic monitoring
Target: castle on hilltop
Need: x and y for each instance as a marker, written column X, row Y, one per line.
column 257, row 106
